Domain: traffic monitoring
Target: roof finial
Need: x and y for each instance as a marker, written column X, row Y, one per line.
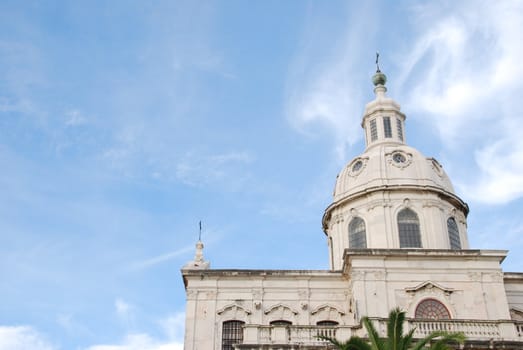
column 198, row 262
column 379, row 79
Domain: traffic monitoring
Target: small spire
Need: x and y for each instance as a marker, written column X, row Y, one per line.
column 379, row 78
column 198, row 262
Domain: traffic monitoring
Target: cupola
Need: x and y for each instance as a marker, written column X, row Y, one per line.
column 392, row 196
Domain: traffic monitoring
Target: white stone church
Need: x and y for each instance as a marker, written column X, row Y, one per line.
column 397, row 237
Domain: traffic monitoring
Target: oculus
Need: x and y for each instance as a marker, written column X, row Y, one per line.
column 357, row 166
column 400, row 159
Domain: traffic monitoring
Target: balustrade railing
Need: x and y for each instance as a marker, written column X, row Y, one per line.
column 519, row 329
column 311, row 335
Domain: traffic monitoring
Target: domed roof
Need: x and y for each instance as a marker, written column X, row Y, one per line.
column 389, row 166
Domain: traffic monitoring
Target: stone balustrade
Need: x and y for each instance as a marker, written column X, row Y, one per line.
column 473, row 329
column 310, row 335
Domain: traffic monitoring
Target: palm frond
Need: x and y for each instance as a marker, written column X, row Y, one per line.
column 395, row 328
column 445, row 338
column 354, row 343
column 375, row 340
column 406, row 340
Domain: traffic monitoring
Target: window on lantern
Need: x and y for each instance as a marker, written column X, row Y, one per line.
column 373, row 130
column 399, row 128
column 387, row 127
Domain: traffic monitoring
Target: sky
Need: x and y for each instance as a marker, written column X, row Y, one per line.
column 125, row 123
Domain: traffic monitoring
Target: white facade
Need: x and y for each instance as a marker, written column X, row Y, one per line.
column 397, row 237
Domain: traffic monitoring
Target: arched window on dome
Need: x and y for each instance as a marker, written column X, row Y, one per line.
column 408, row 228
column 357, row 237
column 232, row 333
column 432, row 309
column 452, row 228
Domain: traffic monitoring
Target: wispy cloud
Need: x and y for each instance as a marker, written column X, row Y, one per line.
column 470, row 89
column 147, row 263
column 320, row 91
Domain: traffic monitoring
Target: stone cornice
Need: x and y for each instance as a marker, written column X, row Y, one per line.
column 448, row 196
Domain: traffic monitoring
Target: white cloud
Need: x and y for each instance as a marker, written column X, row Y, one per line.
column 320, row 93
column 140, row 341
column 464, row 75
column 173, row 327
column 22, row 338
column 75, row 118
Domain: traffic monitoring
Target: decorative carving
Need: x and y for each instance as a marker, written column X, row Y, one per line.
column 428, row 290
column 338, row 218
column 280, row 312
column 327, row 312
column 429, row 287
column 516, row 314
column 234, row 312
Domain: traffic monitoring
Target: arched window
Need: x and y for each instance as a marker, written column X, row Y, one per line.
column 357, row 237
column 452, row 227
column 232, row 333
column 408, row 227
column 432, row 309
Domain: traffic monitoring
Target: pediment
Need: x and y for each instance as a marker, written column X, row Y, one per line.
column 234, row 308
column 327, row 309
column 516, row 314
column 280, row 308
column 429, row 285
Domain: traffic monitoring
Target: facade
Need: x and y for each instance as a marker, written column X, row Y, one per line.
column 397, row 237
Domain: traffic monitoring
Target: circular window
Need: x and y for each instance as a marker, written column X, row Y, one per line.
column 399, row 158
column 357, row 166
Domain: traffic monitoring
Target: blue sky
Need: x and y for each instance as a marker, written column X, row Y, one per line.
column 123, row 124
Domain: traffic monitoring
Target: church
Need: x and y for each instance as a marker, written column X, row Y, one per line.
column 397, row 237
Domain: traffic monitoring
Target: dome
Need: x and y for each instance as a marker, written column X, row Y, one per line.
column 390, row 166
column 392, row 196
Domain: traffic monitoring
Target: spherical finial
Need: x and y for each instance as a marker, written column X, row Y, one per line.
column 379, row 79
